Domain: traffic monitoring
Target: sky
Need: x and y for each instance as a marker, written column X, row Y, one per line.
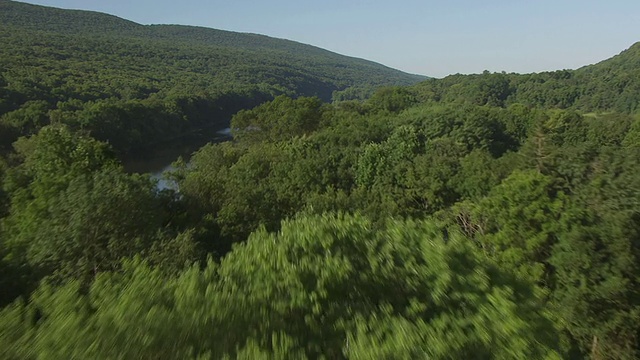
column 433, row 38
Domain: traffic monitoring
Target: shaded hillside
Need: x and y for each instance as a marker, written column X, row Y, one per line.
column 612, row 84
column 37, row 17
column 341, row 70
column 135, row 85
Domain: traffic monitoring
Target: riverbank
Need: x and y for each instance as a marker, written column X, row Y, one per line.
column 159, row 159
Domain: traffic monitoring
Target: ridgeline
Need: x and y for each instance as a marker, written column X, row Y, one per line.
column 135, row 85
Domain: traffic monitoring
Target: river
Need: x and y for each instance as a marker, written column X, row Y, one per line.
column 161, row 159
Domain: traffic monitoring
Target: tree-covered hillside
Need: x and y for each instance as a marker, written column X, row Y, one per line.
column 338, row 70
column 489, row 216
column 152, row 82
column 611, row 85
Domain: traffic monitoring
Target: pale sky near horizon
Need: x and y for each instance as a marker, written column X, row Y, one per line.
column 433, row 38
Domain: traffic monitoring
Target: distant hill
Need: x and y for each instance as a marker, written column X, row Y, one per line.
column 134, row 85
column 36, row 17
column 610, row 85
column 334, row 71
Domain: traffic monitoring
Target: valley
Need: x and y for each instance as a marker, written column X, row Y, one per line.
column 325, row 206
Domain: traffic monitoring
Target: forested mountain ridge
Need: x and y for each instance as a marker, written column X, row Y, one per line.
column 153, row 82
column 610, row 85
column 88, row 22
column 627, row 60
column 75, row 22
column 36, row 17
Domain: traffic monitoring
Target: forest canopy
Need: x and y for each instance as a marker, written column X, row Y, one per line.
column 355, row 213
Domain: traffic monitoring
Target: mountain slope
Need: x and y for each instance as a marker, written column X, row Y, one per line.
column 136, row 85
column 37, row 17
column 610, row 85
column 289, row 53
column 613, row 83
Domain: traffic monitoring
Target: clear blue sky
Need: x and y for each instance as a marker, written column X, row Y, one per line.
column 434, row 38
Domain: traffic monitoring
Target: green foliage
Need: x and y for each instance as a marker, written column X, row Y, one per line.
column 74, row 213
column 136, row 86
column 353, row 93
column 378, row 161
column 323, row 286
column 609, row 85
column 597, row 283
column 53, row 157
column 391, row 99
column 517, row 222
column 280, row 119
column 88, row 229
column 31, row 116
column 525, row 243
column 597, row 256
column 473, row 127
column 632, row 137
column 477, row 175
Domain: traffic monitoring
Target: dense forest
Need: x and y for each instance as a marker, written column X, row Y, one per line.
column 357, row 213
column 136, row 86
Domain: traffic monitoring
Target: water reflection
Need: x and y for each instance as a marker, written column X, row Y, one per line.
column 161, row 160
